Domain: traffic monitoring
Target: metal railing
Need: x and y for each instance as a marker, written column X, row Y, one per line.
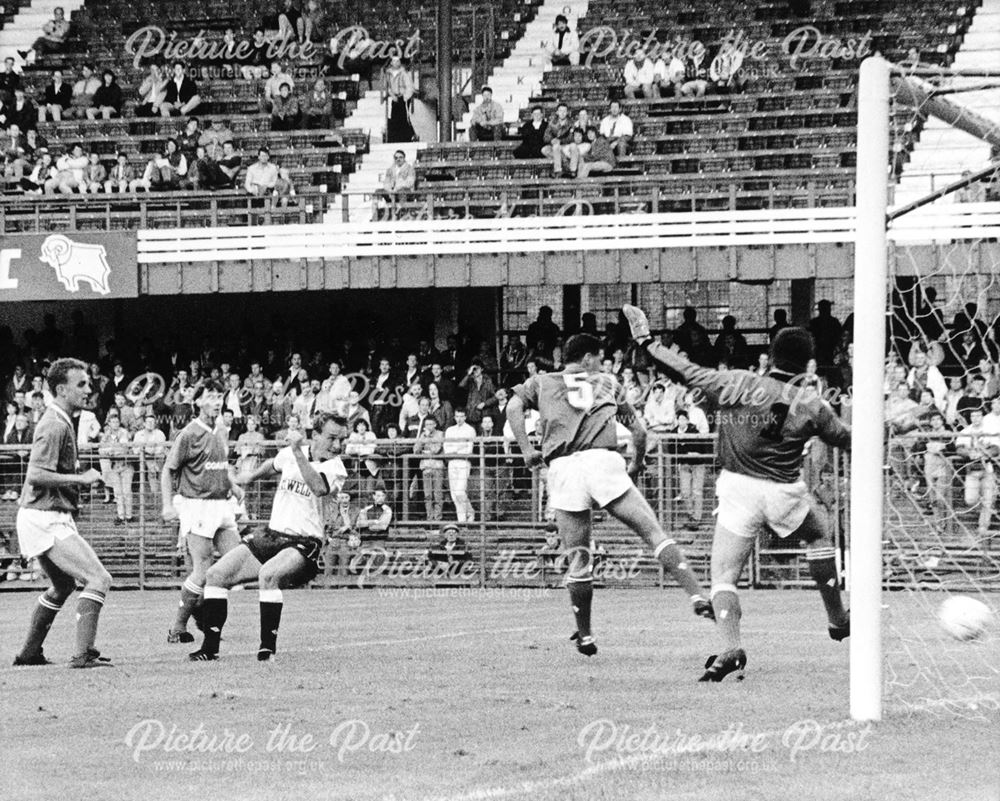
column 501, row 506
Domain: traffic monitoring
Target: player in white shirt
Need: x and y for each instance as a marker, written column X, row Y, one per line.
column 285, row 552
column 458, row 439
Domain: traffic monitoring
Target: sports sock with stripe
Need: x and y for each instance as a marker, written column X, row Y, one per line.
column 88, row 612
column 823, row 569
column 270, row 618
column 581, row 593
column 726, row 603
column 46, row 608
column 191, row 597
column 215, row 610
column 671, row 557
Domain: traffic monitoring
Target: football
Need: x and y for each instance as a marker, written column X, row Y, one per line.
column 964, row 618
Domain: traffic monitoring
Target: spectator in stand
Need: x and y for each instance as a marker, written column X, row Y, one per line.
column 182, row 96
column 826, row 331
column 291, row 26
column 262, row 175
column 780, row 321
column 119, row 472
column 692, row 338
column 285, row 110
column 695, row 83
column 534, row 136
column 459, row 439
column 14, row 470
column 730, row 344
column 979, row 455
column 42, row 172
column 84, row 91
column 487, row 123
column 640, row 76
column 108, row 98
column 58, row 98
column 70, row 169
column 150, row 442
column 693, row 458
column 660, row 411
column 190, row 139
column 284, row 189
column 440, row 408
column 543, row 333
column 53, row 38
column 23, row 112
column 430, row 443
column 315, row 22
column 221, row 173
column 95, row 174
column 374, row 520
column 600, row 157
column 317, row 108
column 565, row 48
column 480, row 393
column 121, row 177
column 361, row 445
column 256, row 66
column 669, row 74
column 152, row 92
column 397, row 88
column 450, row 548
column 163, row 172
column 414, row 423
column 397, row 182
column 273, row 84
column 617, row 128
column 939, row 473
column 558, row 136
column 9, row 80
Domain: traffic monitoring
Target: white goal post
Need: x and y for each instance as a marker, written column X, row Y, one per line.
column 867, row 438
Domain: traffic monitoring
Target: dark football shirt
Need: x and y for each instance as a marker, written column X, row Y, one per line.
column 198, row 460
column 577, row 410
column 53, row 448
column 764, row 424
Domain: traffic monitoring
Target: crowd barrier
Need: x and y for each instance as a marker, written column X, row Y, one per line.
column 500, row 505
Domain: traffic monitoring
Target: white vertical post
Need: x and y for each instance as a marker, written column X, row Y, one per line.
column 867, row 418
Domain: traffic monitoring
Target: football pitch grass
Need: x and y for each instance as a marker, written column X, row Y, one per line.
column 382, row 694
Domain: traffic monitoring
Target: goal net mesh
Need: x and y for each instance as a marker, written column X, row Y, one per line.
column 942, row 398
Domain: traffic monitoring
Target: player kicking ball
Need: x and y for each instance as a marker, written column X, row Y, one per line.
column 46, row 526
column 764, row 425
column 578, row 409
column 198, row 463
column 284, row 553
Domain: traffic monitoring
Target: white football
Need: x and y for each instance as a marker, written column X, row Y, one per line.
column 964, row 618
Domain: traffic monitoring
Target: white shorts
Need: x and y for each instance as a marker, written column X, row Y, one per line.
column 578, row 481
column 40, row 529
column 204, row 517
column 747, row 504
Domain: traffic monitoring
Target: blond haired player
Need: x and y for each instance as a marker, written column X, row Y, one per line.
column 285, row 552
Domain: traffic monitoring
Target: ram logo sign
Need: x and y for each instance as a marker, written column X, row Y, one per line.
column 78, row 265
column 75, row 262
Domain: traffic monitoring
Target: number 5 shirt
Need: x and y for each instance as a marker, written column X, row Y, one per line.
column 578, row 410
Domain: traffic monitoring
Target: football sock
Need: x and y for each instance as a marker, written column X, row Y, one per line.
column 270, row 618
column 823, row 569
column 727, row 613
column 215, row 610
column 581, row 593
column 46, row 608
column 88, row 612
column 191, row 595
column 672, row 558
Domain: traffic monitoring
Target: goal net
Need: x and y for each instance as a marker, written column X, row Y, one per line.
column 941, row 534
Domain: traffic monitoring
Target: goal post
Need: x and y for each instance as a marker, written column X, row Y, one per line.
column 871, row 278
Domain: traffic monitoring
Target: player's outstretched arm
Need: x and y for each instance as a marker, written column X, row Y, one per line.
column 711, row 382
column 264, row 470
column 515, row 416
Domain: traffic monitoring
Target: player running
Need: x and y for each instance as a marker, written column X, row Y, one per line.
column 283, row 553
column 46, row 528
column 207, row 519
column 578, row 409
column 764, row 425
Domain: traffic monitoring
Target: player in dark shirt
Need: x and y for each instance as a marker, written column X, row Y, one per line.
column 764, row 425
column 578, row 409
column 46, row 527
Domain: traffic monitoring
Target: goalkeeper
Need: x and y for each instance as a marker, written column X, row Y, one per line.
column 764, row 425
